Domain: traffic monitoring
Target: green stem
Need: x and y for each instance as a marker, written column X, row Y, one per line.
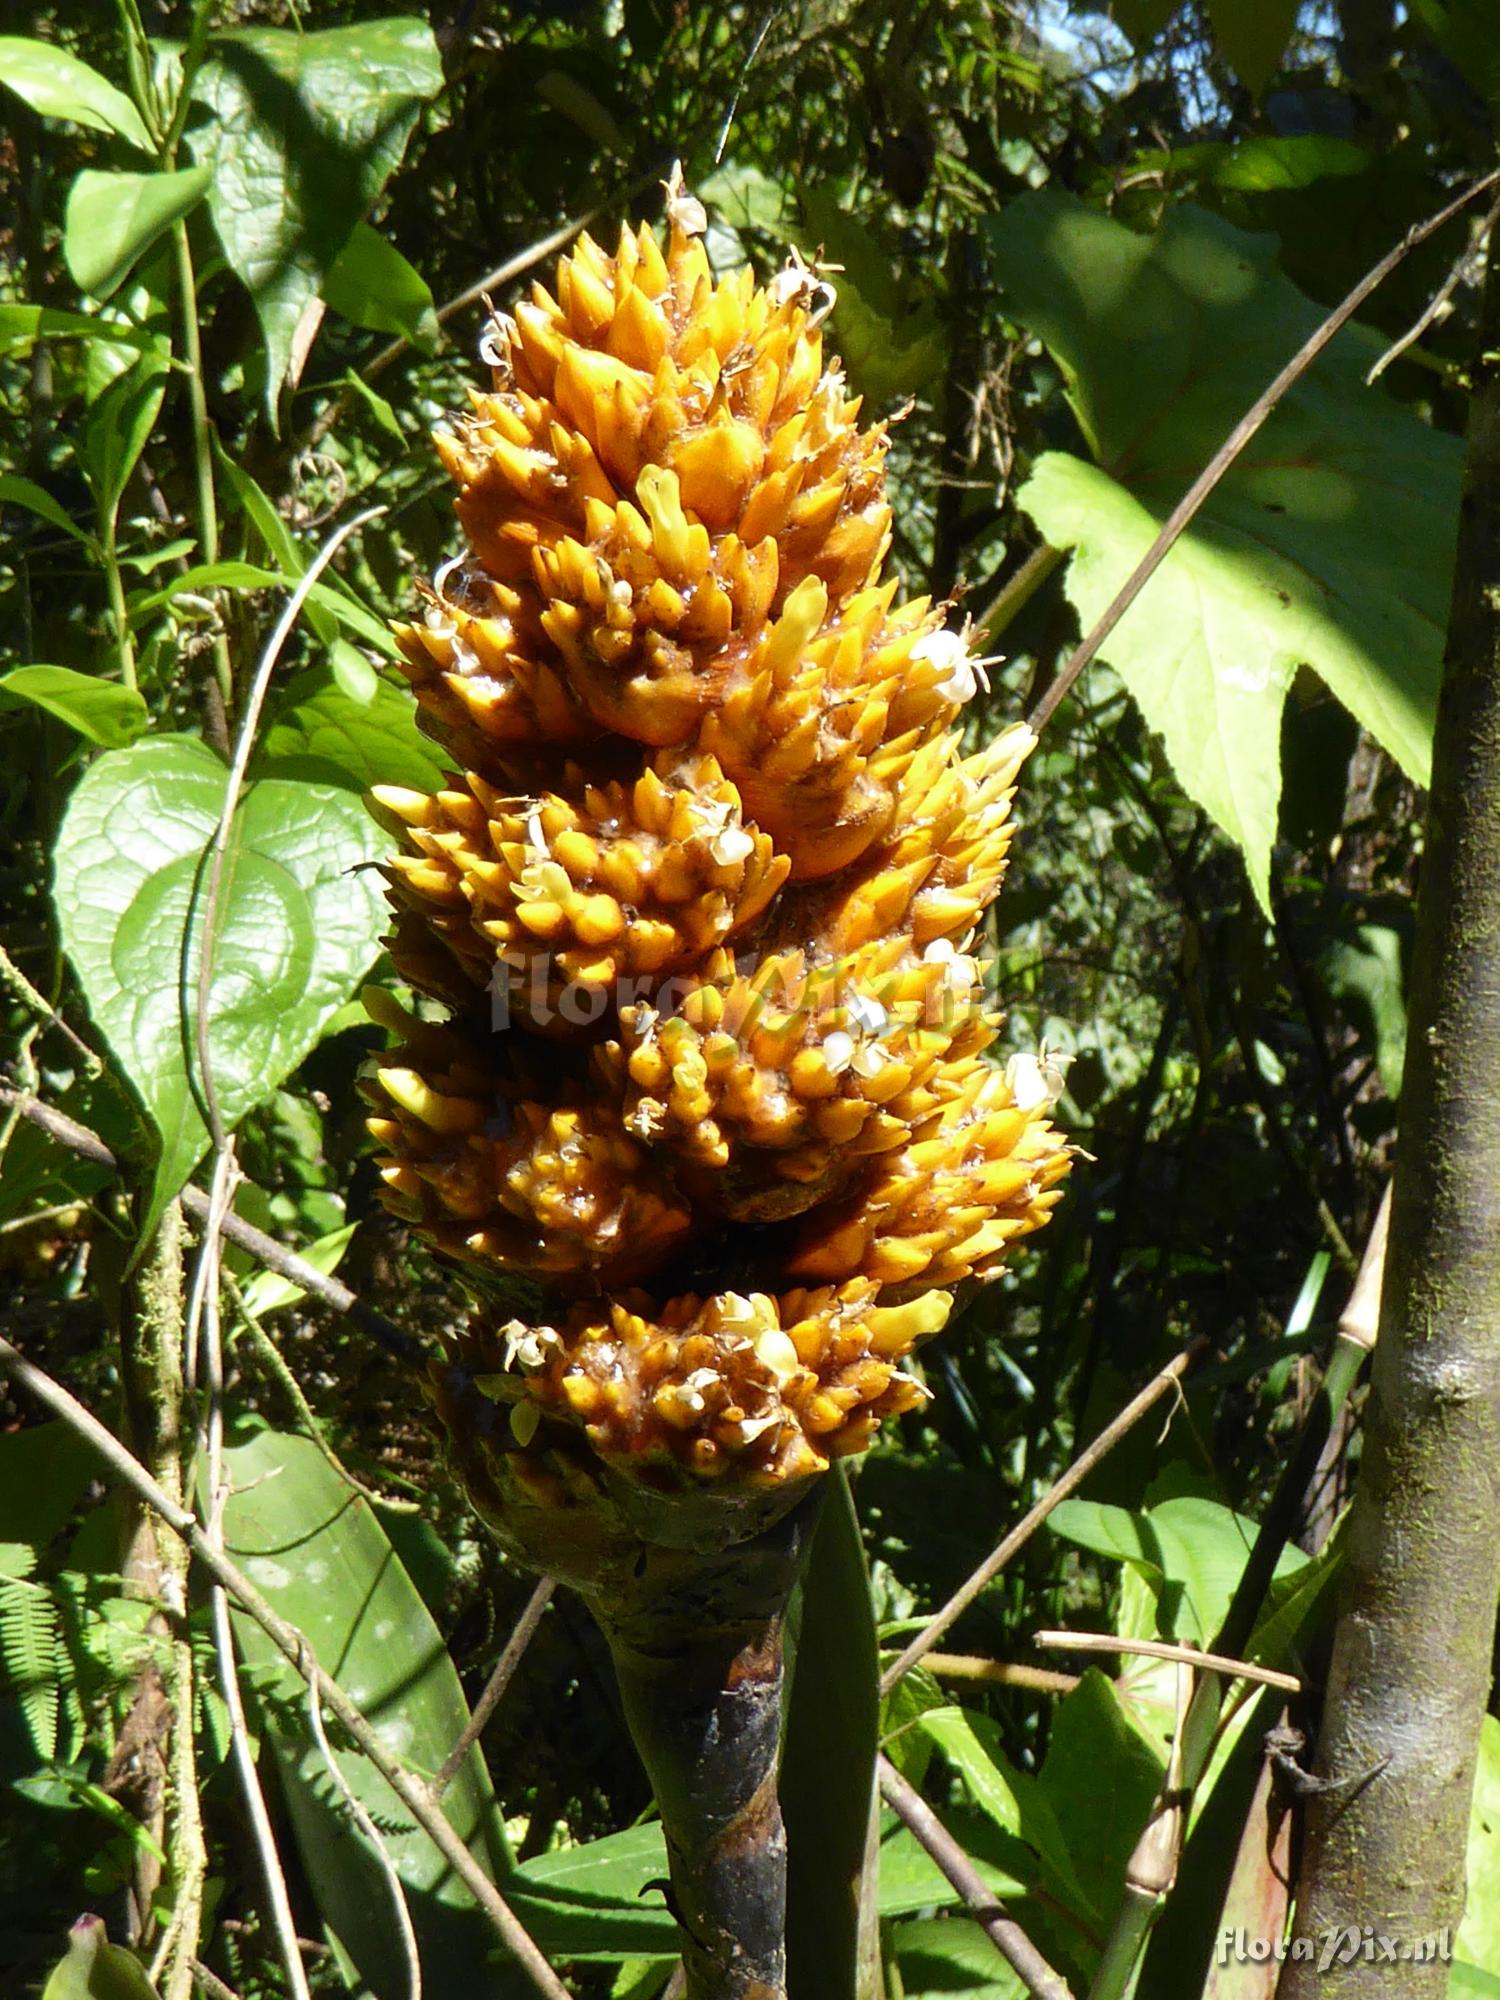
column 119, row 617
column 203, row 455
column 1018, row 591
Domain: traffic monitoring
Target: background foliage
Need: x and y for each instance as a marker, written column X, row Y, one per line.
column 243, row 251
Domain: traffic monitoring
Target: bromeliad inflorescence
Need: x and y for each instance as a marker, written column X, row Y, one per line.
column 714, row 861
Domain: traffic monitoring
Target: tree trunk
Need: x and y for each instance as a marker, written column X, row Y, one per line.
column 1410, row 1674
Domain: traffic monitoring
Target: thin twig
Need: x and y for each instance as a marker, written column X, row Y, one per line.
column 1434, row 306
column 211, row 1983
column 12, row 977
column 1183, row 513
column 1003, row 1932
column 275, row 1256
column 1163, row 1649
column 495, row 1687
column 1027, row 1526
column 371, row 1833
column 998, row 1673
column 294, row 1646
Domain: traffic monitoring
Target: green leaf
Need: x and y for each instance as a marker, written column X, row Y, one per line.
column 1329, row 543
column 115, row 431
column 376, row 404
column 1363, row 973
column 828, row 1763
column 1012, row 1799
column 1212, row 684
column 18, row 492
column 319, row 1554
column 112, row 218
column 22, row 325
column 940, row 1955
column 1468, row 1982
column 1142, row 20
column 1101, row 1777
column 1193, row 1551
column 103, row 711
column 95, row 1969
column 321, row 729
column 371, row 284
column 890, row 336
column 306, row 129
column 268, row 1291
column 299, row 922
column 56, row 84
column 281, row 543
column 1252, row 35
column 1478, row 1940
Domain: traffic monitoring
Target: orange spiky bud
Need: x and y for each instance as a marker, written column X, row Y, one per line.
column 715, row 853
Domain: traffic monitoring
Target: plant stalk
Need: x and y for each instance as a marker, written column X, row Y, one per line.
column 697, row 1646
column 1410, row 1675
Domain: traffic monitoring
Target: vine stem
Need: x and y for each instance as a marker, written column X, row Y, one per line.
column 203, row 455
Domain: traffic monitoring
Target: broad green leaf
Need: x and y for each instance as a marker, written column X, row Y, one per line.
column 18, row 492
column 376, row 404
column 1465, row 32
column 1478, row 1940
column 1193, row 1552
column 1012, row 1798
column 828, row 1764
column 1097, row 1759
column 268, row 1291
column 117, row 426
column 44, row 1470
column 320, row 729
column 1329, row 543
column 299, row 923
column 112, row 218
column 946, row 1955
column 1468, row 1982
column 103, row 711
column 317, row 1551
column 371, row 284
column 1199, row 649
column 1252, row 35
column 305, row 129
column 95, row 1969
column 56, row 84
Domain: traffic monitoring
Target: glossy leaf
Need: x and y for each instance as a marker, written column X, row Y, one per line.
column 112, row 219
column 95, row 1969
column 1363, row 972
column 117, row 426
column 1330, row 542
column 299, row 923
column 268, row 1291
column 371, row 284
column 103, row 711
column 305, row 129
column 322, row 730
column 57, row 84
column 21, row 325
column 318, row 1552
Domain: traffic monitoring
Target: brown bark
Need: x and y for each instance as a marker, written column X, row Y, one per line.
column 1385, row 1837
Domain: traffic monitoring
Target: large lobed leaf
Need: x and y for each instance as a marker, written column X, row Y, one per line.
column 305, row 130
column 1329, row 544
column 300, row 917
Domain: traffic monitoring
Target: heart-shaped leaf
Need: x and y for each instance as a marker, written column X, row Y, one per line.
column 305, row 130
column 298, row 923
column 112, row 218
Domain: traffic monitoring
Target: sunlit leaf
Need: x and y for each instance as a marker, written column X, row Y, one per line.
column 299, row 922
column 305, row 129
column 112, row 219
column 371, row 284
column 56, row 84
column 103, row 711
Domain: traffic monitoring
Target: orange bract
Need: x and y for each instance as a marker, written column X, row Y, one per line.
column 700, row 902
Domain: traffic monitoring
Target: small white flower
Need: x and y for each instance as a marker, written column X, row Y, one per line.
column 964, row 673
column 684, row 210
column 495, row 341
column 731, row 846
column 868, row 1016
column 528, row 1346
column 1037, row 1080
column 838, row 1051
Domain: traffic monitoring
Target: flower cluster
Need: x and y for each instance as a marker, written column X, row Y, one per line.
column 712, row 839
